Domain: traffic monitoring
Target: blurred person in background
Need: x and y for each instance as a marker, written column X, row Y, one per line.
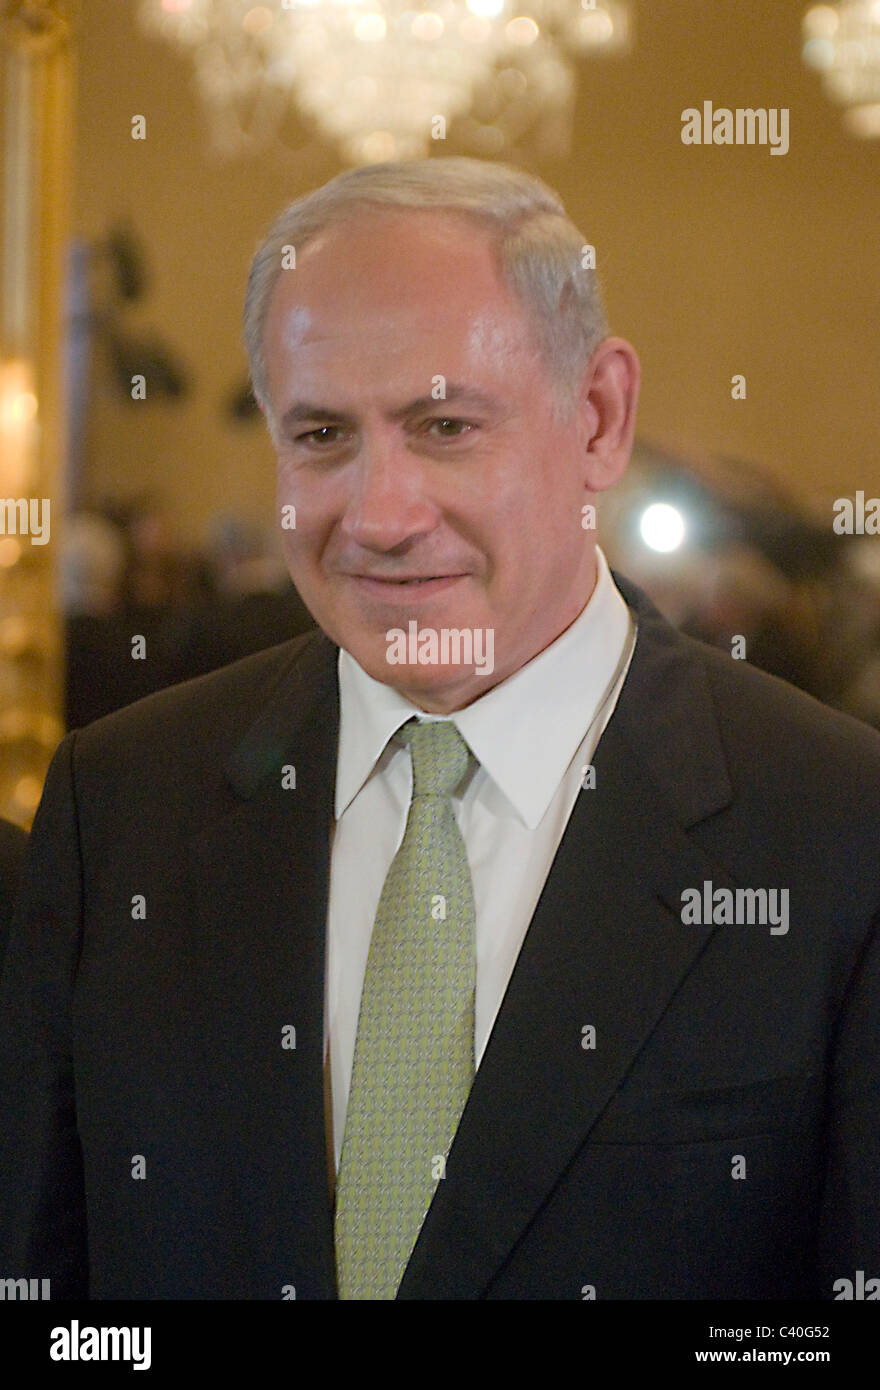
column 124, row 576
column 100, row 675
column 253, row 604
column 120, row 579
column 750, row 598
column 160, row 574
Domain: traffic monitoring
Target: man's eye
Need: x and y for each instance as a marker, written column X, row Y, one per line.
column 459, row 426
column 322, row 430
column 448, row 428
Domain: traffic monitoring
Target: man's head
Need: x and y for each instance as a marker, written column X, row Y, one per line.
column 444, row 401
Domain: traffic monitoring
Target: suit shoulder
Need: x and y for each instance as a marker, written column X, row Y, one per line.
column 209, row 712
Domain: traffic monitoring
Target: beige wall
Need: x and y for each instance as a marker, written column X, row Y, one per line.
column 715, row 260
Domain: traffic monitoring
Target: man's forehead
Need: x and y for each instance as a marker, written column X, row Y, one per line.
column 400, row 305
column 296, row 323
column 484, row 330
column 363, row 265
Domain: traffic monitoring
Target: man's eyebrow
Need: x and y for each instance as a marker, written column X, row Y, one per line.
column 304, row 410
column 455, row 394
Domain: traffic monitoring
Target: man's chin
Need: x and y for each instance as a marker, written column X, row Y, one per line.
column 414, row 675
column 423, row 684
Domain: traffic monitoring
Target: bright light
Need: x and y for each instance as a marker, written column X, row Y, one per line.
column 27, row 793
column 474, row 30
column 522, row 30
column 427, row 25
column 17, row 408
column 821, row 22
column 257, row 19
column 370, row 28
column 864, row 120
column 818, row 53
column 378, row 146
column 10, row 551
column 596, row 27
column 255, row 58
column 662, row 527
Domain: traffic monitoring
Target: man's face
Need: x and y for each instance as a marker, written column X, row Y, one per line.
column 480, row 493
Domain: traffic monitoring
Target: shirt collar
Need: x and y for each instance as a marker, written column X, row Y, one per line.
column 524, row 731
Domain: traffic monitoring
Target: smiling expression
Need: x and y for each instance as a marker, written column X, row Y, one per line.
column 460, row 510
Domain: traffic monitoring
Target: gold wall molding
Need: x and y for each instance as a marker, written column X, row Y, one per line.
column 37, row 55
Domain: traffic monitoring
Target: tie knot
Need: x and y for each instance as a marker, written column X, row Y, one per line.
column 439, row 756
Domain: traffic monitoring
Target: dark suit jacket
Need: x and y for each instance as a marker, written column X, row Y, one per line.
column 13, row 844
column 721, row 1140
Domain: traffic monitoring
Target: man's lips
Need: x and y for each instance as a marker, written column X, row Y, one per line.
column 409, row 584
column 406, row 578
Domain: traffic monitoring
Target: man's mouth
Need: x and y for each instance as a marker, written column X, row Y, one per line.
column 416, row 579
column 422, row 583
column 409, row 579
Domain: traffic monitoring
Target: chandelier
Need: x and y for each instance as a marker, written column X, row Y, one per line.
column 842, row 42
column 384, row 78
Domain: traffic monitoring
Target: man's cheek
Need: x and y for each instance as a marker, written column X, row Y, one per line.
column 299, row 565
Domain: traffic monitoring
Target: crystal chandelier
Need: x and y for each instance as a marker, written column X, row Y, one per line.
column 383, row 78
column 842, row 41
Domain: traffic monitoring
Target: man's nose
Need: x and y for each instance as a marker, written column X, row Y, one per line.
column 388, row 503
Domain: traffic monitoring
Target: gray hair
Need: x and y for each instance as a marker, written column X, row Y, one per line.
column 540, row 252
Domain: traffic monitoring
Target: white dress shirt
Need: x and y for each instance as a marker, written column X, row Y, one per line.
column 532, row 736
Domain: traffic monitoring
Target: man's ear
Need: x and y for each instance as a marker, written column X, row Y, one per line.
column 607, row 409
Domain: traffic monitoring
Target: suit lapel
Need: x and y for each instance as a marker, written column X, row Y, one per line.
column 605, row 947
column 262, row 881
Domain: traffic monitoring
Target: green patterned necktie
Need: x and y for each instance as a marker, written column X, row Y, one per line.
column 414, row 1055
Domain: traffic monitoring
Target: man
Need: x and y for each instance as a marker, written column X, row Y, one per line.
column 495, row 941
